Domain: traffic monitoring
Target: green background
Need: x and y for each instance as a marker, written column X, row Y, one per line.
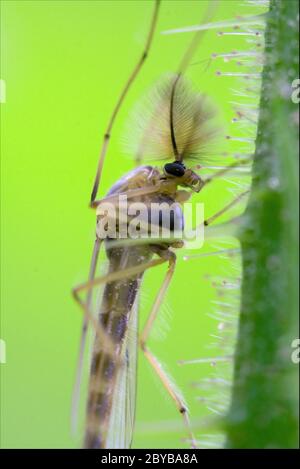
column 64, row 63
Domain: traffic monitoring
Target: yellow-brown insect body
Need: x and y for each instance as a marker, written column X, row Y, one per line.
column 117, row 302
column 116, row 307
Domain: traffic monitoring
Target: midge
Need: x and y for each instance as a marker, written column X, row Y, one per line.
column 177, row 127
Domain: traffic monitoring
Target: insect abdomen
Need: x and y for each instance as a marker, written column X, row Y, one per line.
column 118, row 299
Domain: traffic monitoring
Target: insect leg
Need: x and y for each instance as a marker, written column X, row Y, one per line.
column 212, row 218
column 88, row 315
column 129, row 194
column 76, row 392
column 111, row 277
column 168, row 385
column 131, row 78
column 136, row 192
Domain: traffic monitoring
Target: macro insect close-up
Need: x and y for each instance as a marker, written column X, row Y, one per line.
column 148, row 224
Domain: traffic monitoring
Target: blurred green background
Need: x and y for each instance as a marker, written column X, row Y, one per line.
column 64, row 64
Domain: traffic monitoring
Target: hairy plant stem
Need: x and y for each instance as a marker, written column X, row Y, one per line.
column 264, row 407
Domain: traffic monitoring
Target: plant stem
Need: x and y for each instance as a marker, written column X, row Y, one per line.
column 264, row 408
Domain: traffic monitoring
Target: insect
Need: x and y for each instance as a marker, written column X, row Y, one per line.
column 178, row 129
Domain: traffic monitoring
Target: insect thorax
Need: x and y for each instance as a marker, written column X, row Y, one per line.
column 156, row 214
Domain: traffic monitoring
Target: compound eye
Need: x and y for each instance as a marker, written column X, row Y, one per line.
column 175, row 169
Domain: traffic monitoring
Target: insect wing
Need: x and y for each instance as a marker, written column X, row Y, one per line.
column 121, row 424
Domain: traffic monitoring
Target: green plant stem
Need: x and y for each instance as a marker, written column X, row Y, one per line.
column 264, row 408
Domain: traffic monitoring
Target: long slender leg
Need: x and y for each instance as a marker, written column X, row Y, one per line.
column 129, row 194
column 76, row 391
column 131, row 78
column 168, row 385
column 158, row 186
column 111, row 277
column 231, row 204
column 208, row 221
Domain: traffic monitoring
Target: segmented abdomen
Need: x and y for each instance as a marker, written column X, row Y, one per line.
column 118, row 299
